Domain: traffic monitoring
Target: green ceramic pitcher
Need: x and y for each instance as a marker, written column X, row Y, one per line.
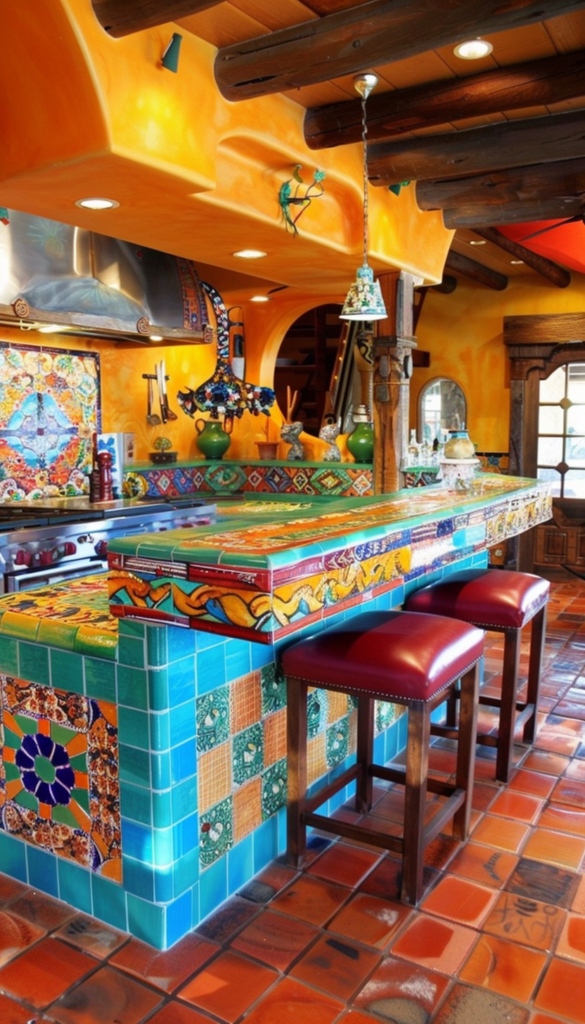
column 212, row 440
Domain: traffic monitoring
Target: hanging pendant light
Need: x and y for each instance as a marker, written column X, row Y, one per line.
column 364, row 299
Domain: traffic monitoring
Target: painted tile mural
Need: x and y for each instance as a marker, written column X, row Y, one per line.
column 59, row 774
column 49, row 409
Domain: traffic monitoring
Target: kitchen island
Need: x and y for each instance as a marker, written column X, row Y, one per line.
column 144, row 763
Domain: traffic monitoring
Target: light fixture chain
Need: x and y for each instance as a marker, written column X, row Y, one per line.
column 366, row 182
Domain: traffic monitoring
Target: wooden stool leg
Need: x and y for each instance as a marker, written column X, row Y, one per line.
column 415, row 798
column 466, row 749
column 365, row 749
column 508, row 704
column 296, row 726
column 537, row 639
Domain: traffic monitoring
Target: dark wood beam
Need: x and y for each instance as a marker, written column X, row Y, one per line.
column 546, row 268
column 519, row 86
column 366, row 36
column 564, row 180
column 532, row 140
column 475, row 271
column 123, row 17
column 549, row 328
column 480, row 216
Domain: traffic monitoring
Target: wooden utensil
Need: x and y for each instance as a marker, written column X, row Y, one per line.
column 159, row 384
column 151, row 417
column 170, row 414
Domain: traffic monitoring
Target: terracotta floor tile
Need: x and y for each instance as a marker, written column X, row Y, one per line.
column 459, row 899
column 547, row 762
column 556, row 743
column 439, row 852
column 578, row 904
column 228, row 986
column 464, row 1005
column 576, row 770
column 346, row 865
column 178, row 1013
column 42, row 910
column 373, row 921
column 571, row 942
column 561, row 992
column 399, row 991
column 291, row 1003
column 311, row 899
column 563, row 819
column 483, row 864
column 385, row 879
column 12, row 1013
column 11, row 889
column 554, row 847
column 275, row 939
column 532, row 783
column 227, row 920
column 355, row 1017
column 277, row 875
column 433, row 943
column 105, row 997
column 93, row 936
column 569, row 792
column 546, row 882
column 518, row 806
column 526, row 921
column 44, row 972
column 336, row 965
column 16, row 934
column 483, row 795
column 504, row 967
column 500, row 833
column 164, row 970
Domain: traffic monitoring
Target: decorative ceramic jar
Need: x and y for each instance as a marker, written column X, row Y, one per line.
column 459, row 446
column 360, row 442
column 212, row 440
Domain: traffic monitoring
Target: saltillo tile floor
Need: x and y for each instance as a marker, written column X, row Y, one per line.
column 499, row 934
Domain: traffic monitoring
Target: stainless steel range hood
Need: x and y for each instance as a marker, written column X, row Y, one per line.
column 55, row 276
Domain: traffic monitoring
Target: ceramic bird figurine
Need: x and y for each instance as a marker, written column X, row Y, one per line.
column 329, row 434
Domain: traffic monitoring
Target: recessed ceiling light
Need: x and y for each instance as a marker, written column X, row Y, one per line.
column 155, row 337
column 249, row 254
column 517, row 262
column 473, row 49
column 259, row 298
column 478, row 242
column 96, row 203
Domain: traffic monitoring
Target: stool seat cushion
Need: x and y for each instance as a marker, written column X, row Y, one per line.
column 489, row 598
column 399, row 656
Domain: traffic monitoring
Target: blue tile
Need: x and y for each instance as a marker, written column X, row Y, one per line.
column 136, row 803
column 163, row 847
column 109, row 902
column 213, row 888
column 67, row 670
column 183, row 762
column 74, row 885
column 184, row 798
column 185, row 872
column 34, row 663
column 137, row 841
column 100, row 679
column 132, row 687
column 238, row 659
column 132, row 628
column 204, row 640
column 161, row 735
column 182, row 675
column 156, row 645
column 158, row 689
column 133, row 727
column 211, row 670
column 261, row 654
column 138, row 879
column 179, row 916
column 163, row 885
column 161, row 770
column 13, row 857
column 186, row 835
column 162, row 808
column 182, row 642
column 134, row 765
column 182, row 722
column 240, row 864
column 265, row 843
column 147, row 922
column 42, row 870
column 131, row 651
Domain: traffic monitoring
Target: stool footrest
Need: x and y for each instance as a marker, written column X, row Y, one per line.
column 329, row 790
column 358, row 832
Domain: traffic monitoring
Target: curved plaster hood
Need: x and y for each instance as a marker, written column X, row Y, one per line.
column 93, row 285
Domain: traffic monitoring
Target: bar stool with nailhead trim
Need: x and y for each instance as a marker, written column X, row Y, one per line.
column 408, row 659
column 502, row 601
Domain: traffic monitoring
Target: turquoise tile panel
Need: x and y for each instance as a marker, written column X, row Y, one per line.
column 133, row 727
column 135, row 766
column 185, row 872
column 211, row 670
column 138, row 879
column 184, row 798
column 161, row 770
column 67, row 670
column 161, row 735
column 109, row 902
column 186, row 836
column 240, row 864
column 100, row 679
column 158, row 688
column 132, row 687
column 162, row 806
column 157, row 645
column 179, row 917
column 130, row 627
column 238, row 660
column 136, row 803
column 163, row 847
column 182, row 675
column 137, row 841
column 34, row 664
column 13, row 857
column 261, row 655
column 183, row 762
column 163, row 885
column 147, row 922
column 182, row 643
column 131, row 651
column 42, row 870
column 74, row 885
column 182, row 722
column 205, row 640
column 265, row 839
column 213, row 887
column 8, row 656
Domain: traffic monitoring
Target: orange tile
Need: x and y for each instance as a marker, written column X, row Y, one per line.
column 400, row 991
column 533, row 783
column 291, row 1001
column 578, row 904
column 483, row 864
column 561, row 992
column 93, row 936
column 500, row 833
column 518, row 806
column 556, row 743
column 225, row 922
column 344, row 863
column 433, row 943
column 245, row 702
column 571, row 942
column 385, row 879
column 165, row 970
column 247, row 809
column 214, row 780
column 569, row 792
column 275, row 737
column 178, row 1013
column 563, row 820
column 373, row 921
column 336, row 965
column 16, row 934
column 547, row 762
column 504, row 967
column 576, row 770
column 311, row 899
column 12, row 1013
column 549, row 883
column 42, row 973
column 459, row 899
column 554, row 847
column 127, row 1001
column 228, row 986
column 275, row 939
column 526, row 921
column 41, row 909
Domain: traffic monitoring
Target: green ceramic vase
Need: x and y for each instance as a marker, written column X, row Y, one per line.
column 212, row 439
column 360, row 442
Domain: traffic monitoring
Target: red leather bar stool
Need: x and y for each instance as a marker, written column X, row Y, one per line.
column 501, row 601
column 401, row 657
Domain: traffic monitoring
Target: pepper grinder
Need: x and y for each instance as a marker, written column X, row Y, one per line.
column 106, row 486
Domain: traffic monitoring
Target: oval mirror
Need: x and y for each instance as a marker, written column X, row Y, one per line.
column 441, row 407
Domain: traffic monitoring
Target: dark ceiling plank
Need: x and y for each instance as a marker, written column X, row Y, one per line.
column 122, row 17
column 555, row 328
column 531, row 140
column 366, row 36
column 475, row 271
column 562, row 180
column 481, row 215
column 518, row 86
column 546, row 268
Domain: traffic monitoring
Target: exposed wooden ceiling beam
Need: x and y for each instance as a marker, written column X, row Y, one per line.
column 475, row 271
column 480, row 216
column 123, row 17
column 518, row 143
column 366, row 36
column 516, row 87
column 546, row 268
column 564, row 180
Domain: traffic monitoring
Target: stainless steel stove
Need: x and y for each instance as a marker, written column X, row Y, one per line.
column 57, row 539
